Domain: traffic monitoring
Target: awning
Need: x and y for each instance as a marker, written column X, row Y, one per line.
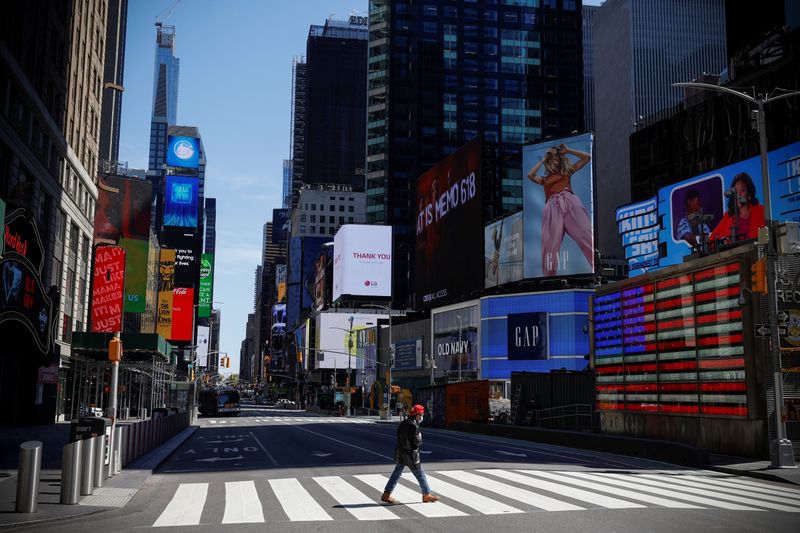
column 135, row 346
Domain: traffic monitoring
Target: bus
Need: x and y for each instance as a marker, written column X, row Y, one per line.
column 215, row 402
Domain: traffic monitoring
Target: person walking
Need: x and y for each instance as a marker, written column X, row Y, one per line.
column 409, row 440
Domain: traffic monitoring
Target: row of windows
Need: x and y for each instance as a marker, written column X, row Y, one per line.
column 331, row 219
column 331, row 230
column 313, row 207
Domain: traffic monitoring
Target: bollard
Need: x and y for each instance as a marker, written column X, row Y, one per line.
column 71, row 459
column 87, row 467
column 30, row 465
column 111, row 450
column 99, row 458
column 126, row 445
column 137, row 436
column 118, row 447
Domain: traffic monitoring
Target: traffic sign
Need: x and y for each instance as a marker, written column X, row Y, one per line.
column 763, row 330
column 782, row 317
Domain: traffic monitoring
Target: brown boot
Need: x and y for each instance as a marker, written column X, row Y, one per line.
column 429, row 498
column 387, row 498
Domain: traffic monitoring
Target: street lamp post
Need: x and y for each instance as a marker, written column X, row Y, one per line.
column 349, row 361
column 781, row 448
column 460, row 323
column 388, row 309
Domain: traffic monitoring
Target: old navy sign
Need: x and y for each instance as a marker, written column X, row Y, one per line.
column 527, row 336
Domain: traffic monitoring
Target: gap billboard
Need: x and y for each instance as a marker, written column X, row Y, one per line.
column 449, row 228
column 558, row 206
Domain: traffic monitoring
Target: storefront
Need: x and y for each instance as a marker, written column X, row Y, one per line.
column 455, row 341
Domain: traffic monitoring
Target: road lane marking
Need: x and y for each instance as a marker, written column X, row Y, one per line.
column 410, row 498
column 509, row 491
column 480, row 503
column 630, row 494
column 664, row 489
column 342, row 442
column 735, row 483
column 297, row 503
column 356, row 502
column 242, row 505
column 185, row 507
column 274, row 462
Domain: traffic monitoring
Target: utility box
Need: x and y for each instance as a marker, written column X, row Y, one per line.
column 89, row 427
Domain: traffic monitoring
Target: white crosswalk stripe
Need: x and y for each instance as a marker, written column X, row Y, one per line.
column 480, row 492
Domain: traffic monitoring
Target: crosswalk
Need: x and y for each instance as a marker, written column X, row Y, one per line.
column 467, row 493
column 279, row 418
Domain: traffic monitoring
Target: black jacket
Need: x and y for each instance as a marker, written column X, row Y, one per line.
column 409, row 439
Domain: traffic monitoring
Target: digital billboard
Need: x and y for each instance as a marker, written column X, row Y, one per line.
column 180, row 201
column 136, row 256
column 503, row 255
column 280, row 219
column 725, row 205
column 183, row 151
column 449, row 228
column 558, row 207
column 202, row 346
column 362, row 261
column 166, row 284
column 123, row 209
column 280, row 281
column 187, row 256
column 182, row 311
column 334, row 340
column 108, row 289
column 408, row 354
column 206, row 296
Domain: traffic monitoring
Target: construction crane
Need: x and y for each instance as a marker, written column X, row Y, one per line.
column 160, row 21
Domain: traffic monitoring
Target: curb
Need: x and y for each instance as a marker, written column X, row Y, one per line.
column 40, row 521
column 751, row 473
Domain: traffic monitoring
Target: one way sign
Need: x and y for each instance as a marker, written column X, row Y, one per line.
column 763, row 330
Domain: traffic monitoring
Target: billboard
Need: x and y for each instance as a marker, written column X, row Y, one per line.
column 558, row 206
column 183, row 151
column 166, row 283
column 2, row 224
column 180, row 201
column 280, row 281
column 123, row 209
column 334, row 339
column 280, row 226
column 449, row 228
column 725, row 204
column 187, row 256
column 527, row 335
column 206, row 285
column 202, row 346
column 108, row 289
column 182, row 313
column 408, row 354
column 136, row 256
column 503, row 251
column 362, row 261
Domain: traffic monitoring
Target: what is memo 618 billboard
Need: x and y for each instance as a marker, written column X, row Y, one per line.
column 449, row 228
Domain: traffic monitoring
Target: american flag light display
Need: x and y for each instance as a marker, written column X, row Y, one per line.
column 673, row 346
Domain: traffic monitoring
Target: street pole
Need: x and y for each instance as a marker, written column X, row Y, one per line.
column 459, row 347
column 115, row 356
column 349, row 361
column 781, row 452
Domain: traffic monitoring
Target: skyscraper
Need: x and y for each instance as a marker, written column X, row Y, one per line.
column 211, row 226
column 297, row 145
column 636, row 60
column 442, row 73
column 587, row 13
column 113, row 83
column 336, row 103
column 286, row 193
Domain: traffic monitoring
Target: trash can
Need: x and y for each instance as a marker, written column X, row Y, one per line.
column 92, row 426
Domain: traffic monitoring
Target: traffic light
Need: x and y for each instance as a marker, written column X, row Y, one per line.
column 758, row 276
column 227, row 362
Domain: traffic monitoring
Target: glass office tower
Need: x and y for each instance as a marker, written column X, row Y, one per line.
column 443, row 72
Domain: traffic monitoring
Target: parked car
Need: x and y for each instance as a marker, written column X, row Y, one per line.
column 263, row 400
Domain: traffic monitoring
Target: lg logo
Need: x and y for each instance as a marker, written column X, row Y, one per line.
column 368, row 283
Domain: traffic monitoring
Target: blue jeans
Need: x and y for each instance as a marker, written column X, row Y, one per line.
column 418, row 472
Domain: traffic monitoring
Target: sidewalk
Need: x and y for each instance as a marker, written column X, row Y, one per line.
column 115, row 493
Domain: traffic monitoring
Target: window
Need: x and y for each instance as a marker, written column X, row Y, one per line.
column 341, row 209
column 312, row 229
column 322, row 218
column 302, row 218
column 351, row 208
column 313, row 218
column 313, row 207
column 332, row 207
column 66, row 329
column 332, row 230
column 70, row 283
column 349, row 220
column 341, row 220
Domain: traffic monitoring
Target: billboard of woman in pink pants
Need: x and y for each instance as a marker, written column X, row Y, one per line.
column 556, row 194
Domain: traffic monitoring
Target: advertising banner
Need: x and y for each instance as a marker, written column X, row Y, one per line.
column 558, row 207
column 182, row 311
column 187, row 256
column 2, row 224
column 108, row 289
column 503, row 251
column 362, row 261
column 180, row 201
column 527, row 336
column 206, row 285
column 166, row 284
column 408, row 354
column 136, row 255
column 335, row 340
column 183, row 151
column 280, row 226
column 123, row 209
column 202, row 346
column 639, row 227
column 280, row 282
column 449, row 228
column 454, row 351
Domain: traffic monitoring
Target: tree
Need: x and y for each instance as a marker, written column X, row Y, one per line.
column 233, row 380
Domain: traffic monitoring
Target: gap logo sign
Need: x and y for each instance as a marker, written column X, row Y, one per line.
column 527, row 336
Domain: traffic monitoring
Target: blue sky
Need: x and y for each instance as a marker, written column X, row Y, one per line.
column 235, row 86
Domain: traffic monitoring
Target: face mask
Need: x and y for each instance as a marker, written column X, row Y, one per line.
column 421, row 419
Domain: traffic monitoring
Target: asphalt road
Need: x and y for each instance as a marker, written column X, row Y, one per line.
column 301, row 472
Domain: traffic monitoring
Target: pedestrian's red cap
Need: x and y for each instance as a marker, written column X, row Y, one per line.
column 417, row 410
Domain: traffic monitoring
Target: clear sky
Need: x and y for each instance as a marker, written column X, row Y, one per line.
column 235, row 86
